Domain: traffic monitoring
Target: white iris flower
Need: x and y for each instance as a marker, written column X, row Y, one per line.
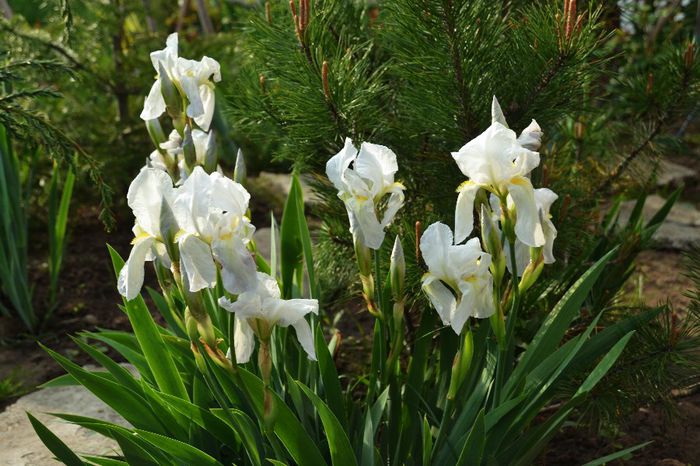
column 500, row 162
column 458, row 281
column 364, row 187
column 193, row 80
column 259, row 310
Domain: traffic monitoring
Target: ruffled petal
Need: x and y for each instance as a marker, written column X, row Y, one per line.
column 378, row 164
column 464, row 210
column 527, row 225
column 131, row 275
column 531, row 137
column 154, row 104
column 289, row 311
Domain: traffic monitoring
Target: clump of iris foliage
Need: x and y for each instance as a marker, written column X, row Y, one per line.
column 243, row 372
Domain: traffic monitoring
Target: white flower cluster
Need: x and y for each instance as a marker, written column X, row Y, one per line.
column 197, row 225
column 459, row 281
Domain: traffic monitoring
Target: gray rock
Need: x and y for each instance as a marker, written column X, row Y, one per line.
column 274, row 188
column 19, row 444
column 673, row 174
column 681, row 230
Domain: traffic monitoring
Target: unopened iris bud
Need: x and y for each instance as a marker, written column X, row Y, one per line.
column 460, row 364
column 191, row 325
column 210, row 159
column 188, row 148
column 168, row 229
column 240, row 171
column 173, row 101
column 397, row 271
column 364, row 264
column 498, row 325
column 155, row 131
column 533, row 270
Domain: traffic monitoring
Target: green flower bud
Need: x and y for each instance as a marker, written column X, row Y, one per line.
column 397, row 271
column 210, row 158
column 188, row 149
column 240, row 171
column 171, row 95
column 155, row 131
column 461, row 363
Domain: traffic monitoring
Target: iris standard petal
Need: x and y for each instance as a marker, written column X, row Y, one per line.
column 531, row 137
column 154, row 104
column 496, row 113
column 238, row 271
column 131, row 275
column 370, row 230
column 527, row 225
column 435, row 244
column 208, row 99
column 146, row 194
column 336, row 165
column 378, row 164
column 464, row 210
column 393, row 204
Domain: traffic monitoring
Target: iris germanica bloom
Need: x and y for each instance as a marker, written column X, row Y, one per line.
column 259, row 310
column 500, row 162
column 364, row 188
column 211, row 212
column 458, row 281
column 151, row 196
column 193, row 79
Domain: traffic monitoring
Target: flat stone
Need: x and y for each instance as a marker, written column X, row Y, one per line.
column 20, row 445
column 681, row 230
column 673, row 174
column 274, row 188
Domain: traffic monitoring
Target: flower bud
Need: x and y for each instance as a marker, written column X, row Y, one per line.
column 498, row 325
column 188, row 149
column 173, row 101
column 397, row 271
column 533, row 270
column 240, row 171
column 461, row 363
column 168, row 229
column 155, row 131
column 210, row 158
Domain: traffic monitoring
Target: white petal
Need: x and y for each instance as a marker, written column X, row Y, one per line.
column 364, row 224
column 154, row 104
column 238, row 270
column 522, row 256
column 464, row 210
column 527, row 225
column 395, row 202
column 209, row 69
column 229, row 196
column 197, row 263
column 243, row 340
column 435, row 245
column 488, row 158
column 168, row 55
column 336, row 165
column 131, row 275
column 462, row 259
column 247, row 306
column 208, row 101
column 195, row 107
column 442, row 298
column 377, row 164
column 531, row 137
column 525, row 161
column 147, row 192
column 289, row 311
column 303, row 331
column 477, row 298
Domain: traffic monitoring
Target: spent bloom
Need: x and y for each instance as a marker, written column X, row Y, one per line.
column 193, row 79
column 458, row 281
column 259, row 310
column 150, row 196
column 211, row 213
column 364, row 179
column 500, row 163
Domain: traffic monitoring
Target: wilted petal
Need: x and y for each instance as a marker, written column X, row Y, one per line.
column 440, row 296
column 154, row 104
column 244, row 340
column 464, row 210
column 527, row 224
column 131, row 275
column 306, row 340
column 197, row 263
